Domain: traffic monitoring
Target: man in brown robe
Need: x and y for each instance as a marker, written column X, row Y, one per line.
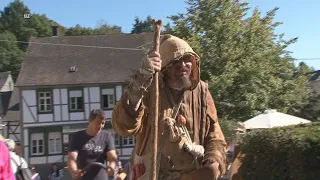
column 191, row 143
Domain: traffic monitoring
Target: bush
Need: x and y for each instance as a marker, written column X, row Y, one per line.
column 286, row 153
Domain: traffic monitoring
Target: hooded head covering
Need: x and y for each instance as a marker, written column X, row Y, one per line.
column 173, row 49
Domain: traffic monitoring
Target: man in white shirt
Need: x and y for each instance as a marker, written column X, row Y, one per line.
column 16, row 160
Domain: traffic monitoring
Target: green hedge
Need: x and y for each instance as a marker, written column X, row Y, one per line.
column 286, row 153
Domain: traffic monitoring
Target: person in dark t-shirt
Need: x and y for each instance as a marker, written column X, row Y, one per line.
column 92, row 145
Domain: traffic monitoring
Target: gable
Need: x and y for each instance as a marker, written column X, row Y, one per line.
column 6, row 82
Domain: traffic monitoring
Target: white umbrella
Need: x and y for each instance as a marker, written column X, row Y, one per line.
column 272, row 118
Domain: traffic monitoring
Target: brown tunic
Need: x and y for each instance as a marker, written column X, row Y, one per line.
column 202, row 123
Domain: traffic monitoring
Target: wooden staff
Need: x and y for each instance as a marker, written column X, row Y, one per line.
column 155, row 95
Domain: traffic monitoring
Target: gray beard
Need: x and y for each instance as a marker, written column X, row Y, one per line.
column 183, row 83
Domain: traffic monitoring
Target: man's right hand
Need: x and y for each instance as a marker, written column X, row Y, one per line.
column 77, row 174
column 151, row 64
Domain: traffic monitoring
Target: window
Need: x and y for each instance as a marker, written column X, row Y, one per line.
column 116, row 139
column 128, row 141
column 37, row 144
column 108, row 99
column 44, row 101
column 54, row 142
column 76, row 100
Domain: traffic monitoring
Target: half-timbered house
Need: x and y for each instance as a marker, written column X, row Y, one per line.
column 63, row 78
column 6, row 88
column 12, row 120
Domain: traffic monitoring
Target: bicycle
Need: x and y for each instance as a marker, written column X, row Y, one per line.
column 87, row 167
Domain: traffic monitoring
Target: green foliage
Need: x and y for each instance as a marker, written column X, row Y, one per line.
column 282, row 153
column 14, row 27
column 102, row 29
column 140, row 26
column 227, row 128
column 10, row 55
column 12, row 19
column 42, row 25
column 245, row 63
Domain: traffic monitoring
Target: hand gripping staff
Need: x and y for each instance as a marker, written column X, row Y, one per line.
column 155, row 108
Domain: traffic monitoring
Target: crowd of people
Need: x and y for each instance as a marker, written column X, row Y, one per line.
column 11, row 163
column 192, row 143
column 101, row 141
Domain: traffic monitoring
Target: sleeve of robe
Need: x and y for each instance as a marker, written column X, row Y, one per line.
column 125, row 120
column 214, row 143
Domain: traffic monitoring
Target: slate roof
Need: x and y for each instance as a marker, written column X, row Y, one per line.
column 46, row 64
column 13, row 112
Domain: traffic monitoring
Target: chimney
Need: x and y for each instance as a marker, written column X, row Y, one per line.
column 55, row 30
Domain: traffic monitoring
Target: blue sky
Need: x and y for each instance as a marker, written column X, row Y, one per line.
column 300, row 18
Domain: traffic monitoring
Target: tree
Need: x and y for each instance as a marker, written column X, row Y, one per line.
column 78, row 31
column 42, row 25
column 102, row 29
column 245, row 63
column 140, row 26
column 10, row 55
column 12, row 19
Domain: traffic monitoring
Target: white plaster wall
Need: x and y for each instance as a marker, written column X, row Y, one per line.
column 65, row 113
column 118, row 92
column 29, row 114
column 108, row 91
column 15, row 137
column 26, row 144
column 94, row 94
column 95, row 105
column 86, row 95
column 18, row 130
column 56, row 158
column 87, row 110
column 56, row 96
column 25, row 137
column 64, row 96
column 30, row 97
column 57, row 113
column 26, row 154
column 76, row 116
column 38, row 160
column 108, row 113
column 45, row 117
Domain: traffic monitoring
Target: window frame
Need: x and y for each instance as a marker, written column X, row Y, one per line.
column 70, row 100
column 117, row 140
column 128, row 138
column 37, row 144
column 56, row 135
column 110, row 106
column 38, row 92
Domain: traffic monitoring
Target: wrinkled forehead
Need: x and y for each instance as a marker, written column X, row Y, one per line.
column 185, row 58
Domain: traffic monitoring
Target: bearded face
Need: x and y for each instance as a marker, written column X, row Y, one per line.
column 178, row 73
